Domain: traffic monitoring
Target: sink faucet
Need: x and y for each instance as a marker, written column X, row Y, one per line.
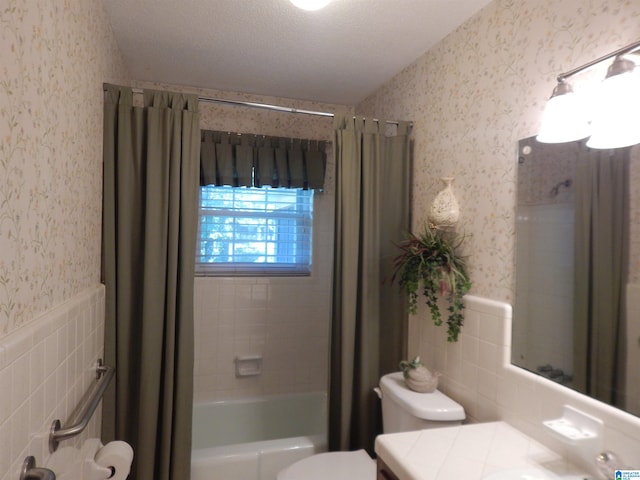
column 608, row 462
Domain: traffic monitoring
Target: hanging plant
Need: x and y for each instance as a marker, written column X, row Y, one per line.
column 429, row 263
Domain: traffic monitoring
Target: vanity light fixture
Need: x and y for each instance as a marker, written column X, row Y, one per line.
column 310, row 4
column 565, row 116
column 615, row 119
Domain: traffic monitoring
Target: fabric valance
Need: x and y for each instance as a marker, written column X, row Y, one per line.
column 248, row 160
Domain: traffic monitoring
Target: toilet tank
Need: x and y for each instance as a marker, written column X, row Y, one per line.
column 405, row 410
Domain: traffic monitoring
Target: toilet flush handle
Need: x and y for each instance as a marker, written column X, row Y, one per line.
column 378, row 392
column 31, row 472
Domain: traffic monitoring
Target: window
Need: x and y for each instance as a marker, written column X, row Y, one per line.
column 254, row 231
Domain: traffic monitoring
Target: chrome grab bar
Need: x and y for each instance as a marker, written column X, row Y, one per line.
column 80, row 417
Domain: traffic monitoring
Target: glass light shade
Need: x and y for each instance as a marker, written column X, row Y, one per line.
column 310, row 4
column 616, row 121
column 564, row 119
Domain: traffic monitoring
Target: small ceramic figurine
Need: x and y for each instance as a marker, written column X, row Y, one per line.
column 418, row 377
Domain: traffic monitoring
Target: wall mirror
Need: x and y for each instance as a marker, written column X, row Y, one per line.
column 576, row 314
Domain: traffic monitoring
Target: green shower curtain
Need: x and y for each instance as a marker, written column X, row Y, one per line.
column 151, row 175
column 601, row 259
column 369, row 323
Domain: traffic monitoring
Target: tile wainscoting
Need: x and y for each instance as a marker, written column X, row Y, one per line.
column 477, row 372
column 46, row 366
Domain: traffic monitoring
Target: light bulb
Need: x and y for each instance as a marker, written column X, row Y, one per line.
column 616, row 121
column 565, row 117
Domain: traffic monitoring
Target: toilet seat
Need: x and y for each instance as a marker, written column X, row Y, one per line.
column 334, row 465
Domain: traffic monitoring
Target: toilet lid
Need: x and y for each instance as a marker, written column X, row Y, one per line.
column 334, row 465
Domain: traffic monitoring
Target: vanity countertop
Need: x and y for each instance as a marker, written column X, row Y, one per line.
column 469, row 452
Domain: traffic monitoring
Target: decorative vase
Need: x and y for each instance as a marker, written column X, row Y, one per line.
column 421, row 380
column 417, row 377
column 445, row 211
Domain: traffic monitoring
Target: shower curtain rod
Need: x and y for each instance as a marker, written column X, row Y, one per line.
column 267, row 106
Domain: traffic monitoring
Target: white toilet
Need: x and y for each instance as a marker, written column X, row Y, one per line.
column 402, row 410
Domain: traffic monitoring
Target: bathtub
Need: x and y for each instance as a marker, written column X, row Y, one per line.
column 254, row 439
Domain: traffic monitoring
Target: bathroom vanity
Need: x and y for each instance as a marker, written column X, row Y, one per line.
column 491, row 451
column 383, row 472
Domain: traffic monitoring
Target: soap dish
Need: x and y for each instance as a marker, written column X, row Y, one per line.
column 575, row 426
column 567, row 430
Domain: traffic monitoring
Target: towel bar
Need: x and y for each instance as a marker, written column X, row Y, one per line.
column 80, row 417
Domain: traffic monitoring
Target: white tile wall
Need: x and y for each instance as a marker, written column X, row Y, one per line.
column 477, row 372
column 45, row 368
column 633, row 348
column 283, row 319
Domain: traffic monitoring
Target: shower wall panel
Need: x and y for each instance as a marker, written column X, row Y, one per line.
column 285, row 320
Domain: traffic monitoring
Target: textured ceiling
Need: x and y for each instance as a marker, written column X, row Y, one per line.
column 269, row 47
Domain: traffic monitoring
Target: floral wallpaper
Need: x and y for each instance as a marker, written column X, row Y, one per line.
column 53, row 61
column 470, row 98
column 480, row 90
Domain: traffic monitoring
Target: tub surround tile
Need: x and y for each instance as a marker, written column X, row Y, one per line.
column 284, row 320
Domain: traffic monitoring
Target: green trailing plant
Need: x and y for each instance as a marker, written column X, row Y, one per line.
column 429, row 264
